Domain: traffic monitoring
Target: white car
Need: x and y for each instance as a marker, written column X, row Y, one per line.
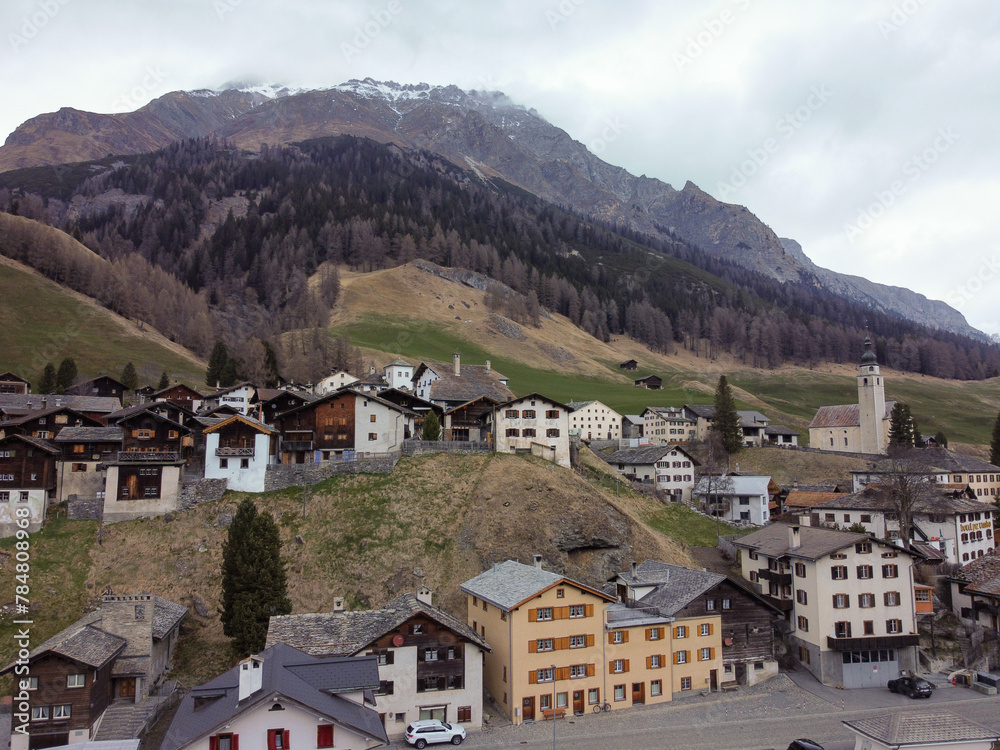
column 430, row 731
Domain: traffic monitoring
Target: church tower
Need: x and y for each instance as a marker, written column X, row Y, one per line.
column 871, row 403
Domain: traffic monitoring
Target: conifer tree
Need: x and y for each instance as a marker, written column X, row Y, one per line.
column 216, row 364
column 254, row 582
column 941, row 439
column 727, row 421
column 995, row 443
column 164, row 381
column 900, row 426
column 130, row 378
column 47, row 382
column 65, row 375
column 432, row 427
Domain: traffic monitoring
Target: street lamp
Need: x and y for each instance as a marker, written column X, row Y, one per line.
column 553, row 707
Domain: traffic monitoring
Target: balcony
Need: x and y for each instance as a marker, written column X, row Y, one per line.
column 294, row 446
column 782, row 579
column 148, row 456
column 872, row 642
column 231, row 452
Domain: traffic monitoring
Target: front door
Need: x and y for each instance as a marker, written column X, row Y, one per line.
column 126, row 688
column 528, row 709
column 713, row 680
column 578, row 701
column 638, row 693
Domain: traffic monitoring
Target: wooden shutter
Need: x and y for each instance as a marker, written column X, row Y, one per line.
column 590, row 639
column 649, row 634
column 611, row 637
column 286, row 739
column 560, row 613
column 588, row 610
column 213, row 742
column 611, row 667
column 675, row 657
column 663, row 660
column 272, row 737
column 532, row 615
column 235, row 743
column 533, row 677
column 711, row 628
column 649, row 662
column 562, row 673
column 626, row 665
column 624, row 636
column 324, row 735
column 533, row 646
column 562, row 643
column 591, row 670
column 711, row 653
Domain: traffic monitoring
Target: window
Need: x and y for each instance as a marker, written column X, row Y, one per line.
column 385, row 687
column 893, row 626
column 512, row 414
column 842, row 629
column 804, row 655
column 61, row 712
column 726, row 604
column 4, row 497
column 685, row 683
column 869, row 627
column 39, row 713
column 545, row 675
column 866, row 518
column 464, row 714
column 829, row 516
column 372, row 436
column 528, row 414
column 800, row 570
column 866, row 600
column 417, row 628
column 841, row 601
column 552, row 414
column 865, row 572
column 513, row 432
column 655, row 662
column 552, row 432
column 653, row 634
column 801, row 597
column 577, row 670
column 577, row 641
column 79, row 467
column 324, row 734
column 706, row 628
column 372, row 418
column 593, row 696
column 277, row 739
column 892, row 598
column 803, row 624
column 222, row 741
column 28, row 683
column 753, row 554
column 619, row 692
column 544, row 613
column 618, row 636
column 244, row 463
column 681, row 631
column 76, row 680
column 6, row 477
column 656, row 687
column 618, row 666
column 710, row 604
column 890, row 571
column 544, row 644
column 838, row 572
column 706, row 654
column 863, row 548
column 922, row 595
column 681, row 657
column 577, row 610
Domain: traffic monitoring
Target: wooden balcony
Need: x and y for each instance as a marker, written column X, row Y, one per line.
column 148, row 456
column 231, row 452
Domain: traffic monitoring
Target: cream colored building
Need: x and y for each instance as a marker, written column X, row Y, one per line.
column 592, row 420
column 533, row 424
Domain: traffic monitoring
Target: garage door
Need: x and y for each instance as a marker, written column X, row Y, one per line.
column 870, row 668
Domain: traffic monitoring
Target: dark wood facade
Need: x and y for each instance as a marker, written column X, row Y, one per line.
column 148, row 432
column 47, row 423
column 180, row 395
column 469, row 421
column 327, row 425
column 11, row 383
column 85, row 703
column 102, row 385
column 26, row 464
column 440, row 653
column 271, row 407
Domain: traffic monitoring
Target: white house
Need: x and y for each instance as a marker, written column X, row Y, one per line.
column 592, row 420
column 939, row 465
column 399, row 374
column 281, row 698
column 975, row 591
column 849, row 599
column 923, row 730
column 430, row 665
column 239, row 450
column 534, row 424
column 238, row 397
column 379, row 425
column 668, row 467
column 736, row 498
column 333, row 382
column 27, row 481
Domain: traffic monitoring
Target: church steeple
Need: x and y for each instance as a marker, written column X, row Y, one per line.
column 868, row 358
column 871, row 402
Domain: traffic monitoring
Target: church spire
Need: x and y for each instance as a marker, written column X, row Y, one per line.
column 868, row 358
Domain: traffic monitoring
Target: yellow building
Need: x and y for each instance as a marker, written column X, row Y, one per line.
column 560, row 645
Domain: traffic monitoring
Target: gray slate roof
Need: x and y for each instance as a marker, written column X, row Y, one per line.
column 90, row 435
column 33, row 402
column 923, row 728
column 872, row 498
column 772, row 541
column 288, row 673
column 676, row 586
column 474, row 381
column 510, row 583
column 348, row 633
column 779, row 429
column 648, row 454
column 937, row 459
column 733, row 484
column 983, row 574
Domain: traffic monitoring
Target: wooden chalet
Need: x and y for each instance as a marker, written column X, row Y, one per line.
column 420, row 407
column 14, row 384
column 179, row 394
column 470, row 421
column 46, row 424
column 629, row 365
column 27, row 480
column 652, row 382
column 268, row 403
column 102, row 386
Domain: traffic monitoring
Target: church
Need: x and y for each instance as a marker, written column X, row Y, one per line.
column 856, row 428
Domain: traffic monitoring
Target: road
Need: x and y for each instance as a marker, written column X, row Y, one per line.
column 760, row 718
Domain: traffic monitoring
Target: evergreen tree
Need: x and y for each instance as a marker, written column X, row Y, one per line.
column 216, row 364
column 47, row 382
column 230, row 373
column 941, row 439
column 254, row 582
column 900, row 426
column 164, row 381
column 273, row 379
column 130, row 378
column 432, row 427
column 727, row 421
column 918, row 441
column 995, row 443
column 65, row 375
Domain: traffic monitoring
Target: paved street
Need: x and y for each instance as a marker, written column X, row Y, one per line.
column 763, row 717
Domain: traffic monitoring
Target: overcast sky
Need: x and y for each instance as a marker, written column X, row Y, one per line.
column 865, row 129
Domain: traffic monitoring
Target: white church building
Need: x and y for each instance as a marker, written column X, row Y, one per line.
column 856, row 428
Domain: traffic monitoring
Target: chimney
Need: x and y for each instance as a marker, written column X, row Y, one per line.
column 635, row 569
column 425, row 596
column 456, row 358
column 338, row 604
column 371, row 369
column 489, row 366
column 538, row 561
column 794, row 537
column 251, row 676
column 44, row 402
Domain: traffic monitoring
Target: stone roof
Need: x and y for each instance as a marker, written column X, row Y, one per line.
column 647, row 454
column 805, row 499
column 779, row 429
column 259, row 426
column 34, row 442
column 35, row 414
column 733, row 484
column 982, row 575
column 508, row 584
column 706, row 411
column 399, row 363
column 287, row 673
column 474, row 381
column 921, row 728
column 676, row 586
column 348, row 633
column 873, row 498
column 941, row 460
column 166, row 614
column 90, row 435
column 844, row 415
column 32, row 402
column 816, row 543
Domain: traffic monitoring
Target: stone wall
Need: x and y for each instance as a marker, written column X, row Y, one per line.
column 421, row 447
column 84, row 508
column 197, row 491
column 280, row 476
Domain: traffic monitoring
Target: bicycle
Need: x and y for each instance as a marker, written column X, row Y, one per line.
column 600, row 707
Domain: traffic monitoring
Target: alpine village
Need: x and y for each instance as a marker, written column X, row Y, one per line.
column 322, row 436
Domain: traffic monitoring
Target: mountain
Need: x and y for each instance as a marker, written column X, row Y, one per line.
column 484, row 132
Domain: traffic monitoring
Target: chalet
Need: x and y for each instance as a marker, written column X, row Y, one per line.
column 342, row 422
column 666, row 467
column 282, row 698
column 652, row 382
column 268, row 403
column 181, row 395
column 975, row 591
column 333, row 382
column 11, row 383
column 456, row 385
column 736, row 498
column 939, row 465
column 946, row 520
column 469, row 421
column 781, row 436
column 103, row 386
column 592, row 420
column 848, row 599
column 27, row 481
column 146, row 430
column 113, row 656
column 238, row 396
column 167, row 409
column 629, row 365
column 533, row 424
column 239, row 449
column 405, row 398
column 84, row 449
column 747, row 618
column 14, row 405
column 430, row 665
column 46, row 424
column 667, row 424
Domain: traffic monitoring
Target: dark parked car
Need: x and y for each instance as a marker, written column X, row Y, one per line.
column 911, row 686
column 804, row 744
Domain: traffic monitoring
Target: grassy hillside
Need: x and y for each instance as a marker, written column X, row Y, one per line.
column 42, row 322
column 437, row 520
